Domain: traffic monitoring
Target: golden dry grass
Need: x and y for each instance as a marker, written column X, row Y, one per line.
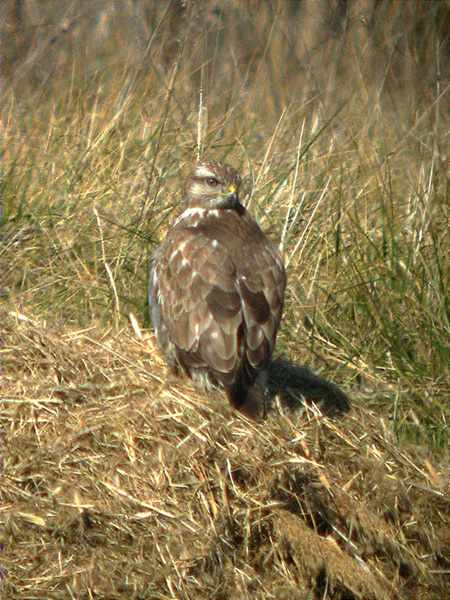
column 121, row 482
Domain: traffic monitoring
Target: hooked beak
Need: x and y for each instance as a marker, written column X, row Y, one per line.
column 231, row 199
column 228, row 199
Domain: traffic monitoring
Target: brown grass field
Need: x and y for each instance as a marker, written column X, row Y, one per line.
column 119, row 480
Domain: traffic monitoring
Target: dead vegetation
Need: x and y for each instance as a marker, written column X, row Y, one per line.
column 117, row 484
column 120, row 482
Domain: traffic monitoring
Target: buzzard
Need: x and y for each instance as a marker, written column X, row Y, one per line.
column 216, row 290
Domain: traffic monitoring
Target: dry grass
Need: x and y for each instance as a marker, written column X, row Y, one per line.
column 119, row 482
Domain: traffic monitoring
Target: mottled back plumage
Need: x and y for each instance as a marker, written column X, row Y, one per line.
column 216, row 289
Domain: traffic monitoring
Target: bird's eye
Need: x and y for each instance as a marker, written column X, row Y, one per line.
column 212, row 181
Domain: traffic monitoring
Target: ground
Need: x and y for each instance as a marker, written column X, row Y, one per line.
column 120, row 480
column 120, row 483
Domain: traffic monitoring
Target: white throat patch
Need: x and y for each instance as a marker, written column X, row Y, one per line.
column 197, row 213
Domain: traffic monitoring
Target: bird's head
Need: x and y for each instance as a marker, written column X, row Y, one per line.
column 213, row 185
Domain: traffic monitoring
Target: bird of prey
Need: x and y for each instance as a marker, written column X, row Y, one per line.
column 216, row 290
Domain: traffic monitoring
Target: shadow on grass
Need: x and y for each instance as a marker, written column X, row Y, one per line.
column 296, row 385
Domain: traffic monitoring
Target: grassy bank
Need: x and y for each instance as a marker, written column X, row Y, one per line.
column 133, row 484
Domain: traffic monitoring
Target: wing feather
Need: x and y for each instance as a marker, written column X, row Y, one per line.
column 221, row 307
column 199, row 304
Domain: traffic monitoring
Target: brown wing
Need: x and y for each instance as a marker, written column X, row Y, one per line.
column 199, row 302
column 261, row 283
column 220, row 315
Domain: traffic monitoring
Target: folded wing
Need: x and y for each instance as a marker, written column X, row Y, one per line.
column 219, row 312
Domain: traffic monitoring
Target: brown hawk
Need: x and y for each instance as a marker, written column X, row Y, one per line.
column 216, row 290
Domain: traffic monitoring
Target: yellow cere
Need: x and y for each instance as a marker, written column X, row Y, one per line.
column 232, row 189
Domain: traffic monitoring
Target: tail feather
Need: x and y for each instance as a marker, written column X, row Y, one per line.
column 248, row 399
